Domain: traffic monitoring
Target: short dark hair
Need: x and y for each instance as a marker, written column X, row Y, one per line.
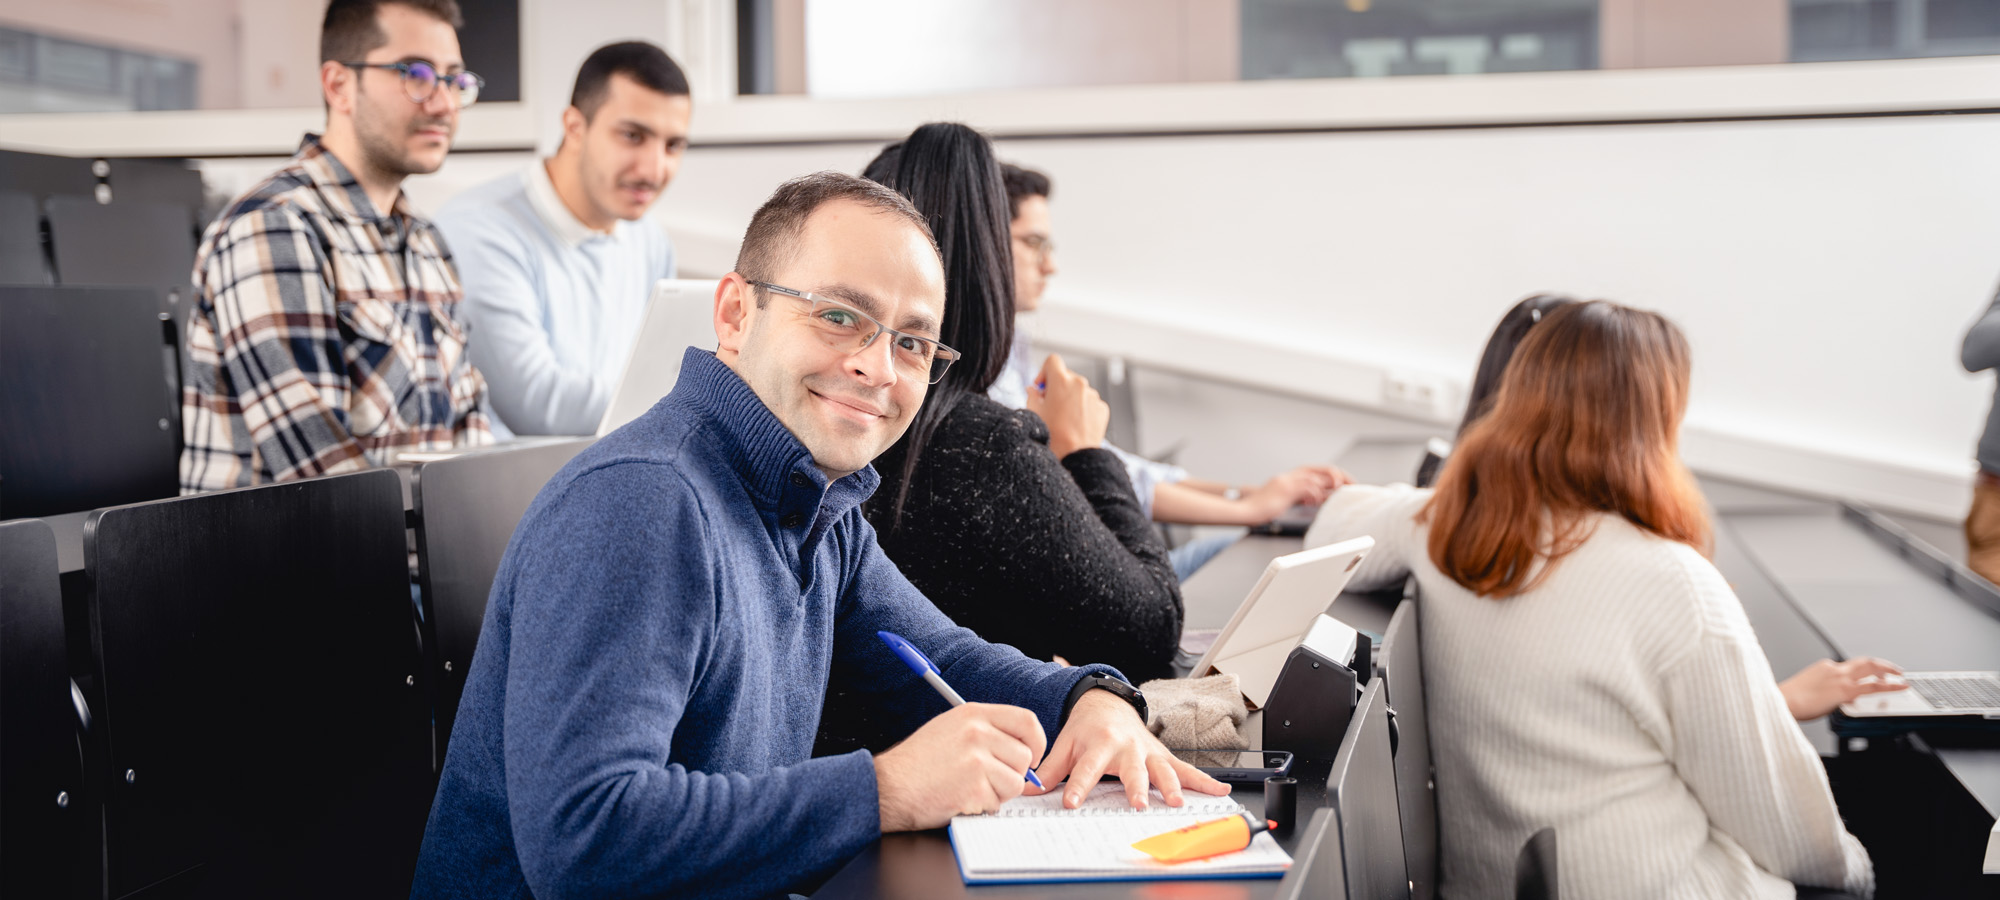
column 949, row 173
column 772, row 239
column 642, row 62
column 350, row 30
column 1022, row 183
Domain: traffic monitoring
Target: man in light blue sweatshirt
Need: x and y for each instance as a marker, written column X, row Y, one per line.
column 639, row 717
column 557, row 261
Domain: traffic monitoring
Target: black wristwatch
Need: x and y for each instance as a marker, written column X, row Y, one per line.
column 1125, row 692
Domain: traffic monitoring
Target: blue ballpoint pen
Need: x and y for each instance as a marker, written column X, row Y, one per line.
column 922, row 665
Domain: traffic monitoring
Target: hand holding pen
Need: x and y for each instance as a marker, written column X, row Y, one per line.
column 969, row 759
column 928, row 671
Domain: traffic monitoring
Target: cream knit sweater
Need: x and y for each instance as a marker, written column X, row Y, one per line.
column 1624, row 701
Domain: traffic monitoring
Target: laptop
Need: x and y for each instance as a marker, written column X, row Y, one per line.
column 1933, row 695
column 679, row 315
column 1280, row 610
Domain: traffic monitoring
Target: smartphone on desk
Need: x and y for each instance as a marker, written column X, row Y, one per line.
column 1238, row 766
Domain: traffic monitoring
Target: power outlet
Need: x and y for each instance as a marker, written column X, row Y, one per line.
column 1415, row 392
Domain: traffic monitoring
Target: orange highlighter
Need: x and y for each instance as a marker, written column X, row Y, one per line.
column 1204, row 839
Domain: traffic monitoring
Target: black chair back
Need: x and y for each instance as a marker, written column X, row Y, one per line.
column 48, row 825
column 43, row 174
column 87, row 418
column 1416, row 784
column 1535, row 870
column 466, row 510
column 137, row 243
column 263, row 716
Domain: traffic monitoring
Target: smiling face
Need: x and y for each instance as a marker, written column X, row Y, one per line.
column 845, row 406
column 398, row 137
column 628, row 150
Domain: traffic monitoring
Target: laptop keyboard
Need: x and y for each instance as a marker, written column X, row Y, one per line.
column 1958, row 693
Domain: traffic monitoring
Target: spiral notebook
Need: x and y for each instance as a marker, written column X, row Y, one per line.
column 1033, row 839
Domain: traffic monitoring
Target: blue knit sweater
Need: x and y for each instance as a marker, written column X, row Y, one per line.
column 639, row 716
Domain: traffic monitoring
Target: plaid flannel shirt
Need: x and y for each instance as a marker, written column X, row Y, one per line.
column 323, row 338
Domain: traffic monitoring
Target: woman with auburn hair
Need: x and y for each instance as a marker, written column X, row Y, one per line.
column 1586, row 667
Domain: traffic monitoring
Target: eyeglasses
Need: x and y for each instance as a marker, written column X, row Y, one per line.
column 420, row 81
column 850, row 330
column 1039, row 243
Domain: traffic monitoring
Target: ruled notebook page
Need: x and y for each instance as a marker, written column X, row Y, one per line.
column 1034, row 838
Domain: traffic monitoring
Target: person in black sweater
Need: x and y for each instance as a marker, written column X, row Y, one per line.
column 1016, row 523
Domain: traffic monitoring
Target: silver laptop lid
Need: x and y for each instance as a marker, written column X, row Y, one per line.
column 678, row 316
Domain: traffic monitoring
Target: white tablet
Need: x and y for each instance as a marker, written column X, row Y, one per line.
column 1294, row 590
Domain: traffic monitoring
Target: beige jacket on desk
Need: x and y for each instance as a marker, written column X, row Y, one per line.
column 1624, row 701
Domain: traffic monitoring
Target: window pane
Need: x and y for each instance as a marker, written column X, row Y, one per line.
column 1375, row 38
column 1893, row 29
column 113, row 55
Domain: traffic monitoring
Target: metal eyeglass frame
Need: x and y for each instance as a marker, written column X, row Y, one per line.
column 941, row 361
column 466, row 93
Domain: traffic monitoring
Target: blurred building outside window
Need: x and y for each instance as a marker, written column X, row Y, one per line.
column 140, row 55
column 903, row 48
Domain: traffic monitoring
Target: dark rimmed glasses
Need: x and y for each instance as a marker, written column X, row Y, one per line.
column 849, row 330
column 421, row 79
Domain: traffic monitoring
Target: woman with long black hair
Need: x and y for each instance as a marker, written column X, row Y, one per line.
column 1016, row 523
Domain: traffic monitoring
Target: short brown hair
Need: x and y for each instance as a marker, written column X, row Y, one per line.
column 773, row 236
column 1586, row 421
column 350, row 32
column 646, row 64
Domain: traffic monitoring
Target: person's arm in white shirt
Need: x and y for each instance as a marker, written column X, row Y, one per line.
column 532, row 390
column 1383, row 512
column 1743, row 757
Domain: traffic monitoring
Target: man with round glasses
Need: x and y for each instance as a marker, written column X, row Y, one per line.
column 558, row 260
column 325, row 335
column 639, row 717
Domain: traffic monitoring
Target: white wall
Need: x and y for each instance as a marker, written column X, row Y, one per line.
column 1824, row 269
column 984, row 45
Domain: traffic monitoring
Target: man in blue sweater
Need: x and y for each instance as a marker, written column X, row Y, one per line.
column 639, row 718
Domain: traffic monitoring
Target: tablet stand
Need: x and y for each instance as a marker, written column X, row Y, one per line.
column 1312, row 701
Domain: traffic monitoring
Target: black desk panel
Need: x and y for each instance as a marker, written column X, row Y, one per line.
column 264, row 719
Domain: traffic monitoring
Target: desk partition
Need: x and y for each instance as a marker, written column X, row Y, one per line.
column 466, row 511
column 47, row 824
column 1361, row 790
column 263, row 720
column 1416, row 784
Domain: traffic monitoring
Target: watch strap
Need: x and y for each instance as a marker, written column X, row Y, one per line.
column 1123, row 690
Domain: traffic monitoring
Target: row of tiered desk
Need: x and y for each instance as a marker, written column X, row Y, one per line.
column 213, row 695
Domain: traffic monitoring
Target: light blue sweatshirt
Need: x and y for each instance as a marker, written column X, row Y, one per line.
column 551, row 307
